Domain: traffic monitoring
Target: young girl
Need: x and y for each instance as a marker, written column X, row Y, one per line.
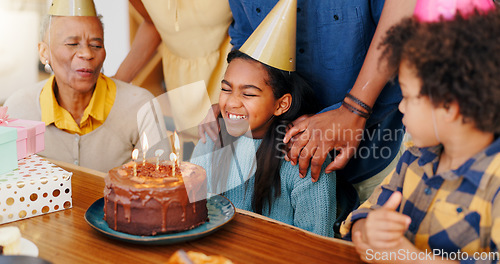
column 257, row 102
column 442, row 203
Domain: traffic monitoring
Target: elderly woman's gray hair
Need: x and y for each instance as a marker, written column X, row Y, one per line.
column 46, row 23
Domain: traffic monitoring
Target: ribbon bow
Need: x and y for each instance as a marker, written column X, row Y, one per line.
column 4, row 117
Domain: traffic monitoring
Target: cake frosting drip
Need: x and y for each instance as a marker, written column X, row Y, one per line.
column 186, row 190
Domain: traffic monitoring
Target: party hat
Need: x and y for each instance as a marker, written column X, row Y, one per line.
column 273, row 42
column 433, row 10
column 72, row 8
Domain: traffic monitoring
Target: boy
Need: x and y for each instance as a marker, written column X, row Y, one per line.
column 442, row 203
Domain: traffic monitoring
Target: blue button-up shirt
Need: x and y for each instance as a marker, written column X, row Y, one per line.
column 332, row 41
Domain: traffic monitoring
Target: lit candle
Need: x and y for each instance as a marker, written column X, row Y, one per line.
column 145, row 148
column 177, row 147
column 135, row 154
column 173, row 159
column 158, row 153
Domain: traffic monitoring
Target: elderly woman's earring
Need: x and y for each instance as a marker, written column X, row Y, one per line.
column 48, row 69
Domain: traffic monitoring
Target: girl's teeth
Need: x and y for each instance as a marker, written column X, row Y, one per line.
column 236, row 117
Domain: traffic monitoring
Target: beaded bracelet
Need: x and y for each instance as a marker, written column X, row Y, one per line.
column 356, row 111
column 359, row 102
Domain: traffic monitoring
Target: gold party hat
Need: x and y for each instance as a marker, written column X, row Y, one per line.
column 273, row 42
column 72, row 8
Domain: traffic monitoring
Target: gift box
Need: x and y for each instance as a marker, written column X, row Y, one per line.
column 8, row 149
column 30, row 136
column 38, row 187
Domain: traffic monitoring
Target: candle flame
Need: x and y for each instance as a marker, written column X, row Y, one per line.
column 159, row 152
column 145, row 145
column 177, row 144
column 135, row 154
column 173, row 157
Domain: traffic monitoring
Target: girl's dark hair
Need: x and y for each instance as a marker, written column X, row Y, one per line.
column 271, row 151
column 457, row 61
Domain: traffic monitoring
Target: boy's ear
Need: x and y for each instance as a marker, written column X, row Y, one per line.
column 43, row 52
column 452, row 111
column 283, row 104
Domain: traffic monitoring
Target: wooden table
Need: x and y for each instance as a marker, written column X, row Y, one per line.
column 65, row 236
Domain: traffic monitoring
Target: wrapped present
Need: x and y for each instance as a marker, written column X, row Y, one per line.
column 30, row 134
column 8, row 149
column 38, row 187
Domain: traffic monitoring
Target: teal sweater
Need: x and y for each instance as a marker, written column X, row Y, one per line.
column 302, row 203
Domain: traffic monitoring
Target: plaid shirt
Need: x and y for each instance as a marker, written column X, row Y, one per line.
column 457, row 210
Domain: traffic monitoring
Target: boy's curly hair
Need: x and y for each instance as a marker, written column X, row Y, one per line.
column 457, row 61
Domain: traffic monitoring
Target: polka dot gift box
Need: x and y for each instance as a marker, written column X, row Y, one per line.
column 37, row 187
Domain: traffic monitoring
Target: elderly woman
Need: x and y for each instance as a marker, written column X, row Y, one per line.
column 91, row 119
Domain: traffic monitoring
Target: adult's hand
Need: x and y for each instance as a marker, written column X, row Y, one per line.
column 210, row 125
column 312, row 139
column 289, row 126
column 297, row 121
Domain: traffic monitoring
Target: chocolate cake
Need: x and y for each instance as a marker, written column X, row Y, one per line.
column 154, row 201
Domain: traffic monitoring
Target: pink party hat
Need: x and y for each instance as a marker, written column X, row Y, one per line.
column 433, row 10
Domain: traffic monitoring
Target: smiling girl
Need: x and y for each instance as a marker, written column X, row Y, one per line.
column 246, row 165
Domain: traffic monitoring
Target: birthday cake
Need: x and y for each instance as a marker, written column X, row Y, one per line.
column 149, row 199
